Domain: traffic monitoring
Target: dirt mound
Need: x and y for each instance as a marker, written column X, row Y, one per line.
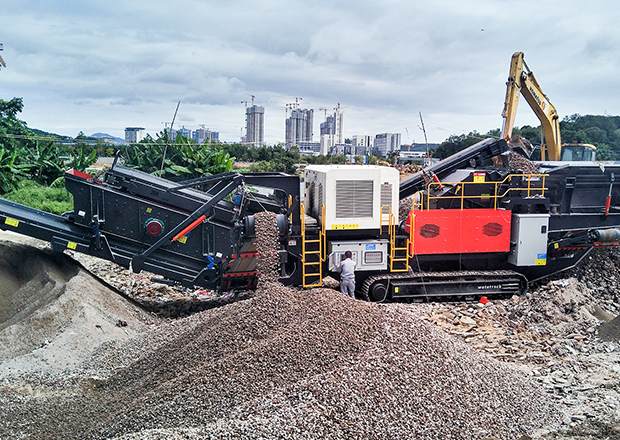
column 54, row 314
column 30, row 278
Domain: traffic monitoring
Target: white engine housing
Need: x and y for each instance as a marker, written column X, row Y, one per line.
column 352, row 194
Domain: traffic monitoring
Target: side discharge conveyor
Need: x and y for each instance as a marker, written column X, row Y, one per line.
column 197, row 232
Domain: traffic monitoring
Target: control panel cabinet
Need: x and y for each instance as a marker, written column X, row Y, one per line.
column 368, row 254
column 528, row 239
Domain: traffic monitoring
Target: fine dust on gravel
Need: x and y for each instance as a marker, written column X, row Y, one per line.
column 286, row 363
column 54, row 314
column 610, row 331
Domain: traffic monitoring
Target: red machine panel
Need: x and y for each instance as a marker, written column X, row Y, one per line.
column 454, row 231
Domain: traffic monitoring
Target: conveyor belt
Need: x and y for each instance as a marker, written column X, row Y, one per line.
column 477, row 153
column 63, row 234
column 39, row 224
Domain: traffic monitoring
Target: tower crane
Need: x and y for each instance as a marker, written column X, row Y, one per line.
column 292, row 106
column 1, row 60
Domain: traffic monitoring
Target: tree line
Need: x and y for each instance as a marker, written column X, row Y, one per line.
column 27, row 157
column 33, row 157
column 600, row 131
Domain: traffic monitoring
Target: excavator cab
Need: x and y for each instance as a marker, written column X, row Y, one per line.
column 578, row 152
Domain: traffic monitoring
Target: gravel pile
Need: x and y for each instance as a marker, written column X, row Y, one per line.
column 295, row 364
column 267, row 246
column 404, row 206
column 164, row 300
column 557, row 319
column 557, row 331
column 53, row 314
column 518, row 162
column 600, row 273
column 610, row 331
column 286, row 363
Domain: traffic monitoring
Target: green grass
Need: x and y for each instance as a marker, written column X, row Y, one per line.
column 50, row 199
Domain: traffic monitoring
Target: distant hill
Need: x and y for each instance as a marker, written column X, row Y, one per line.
column 47, row 134
column 107, row 136
column 92, row 138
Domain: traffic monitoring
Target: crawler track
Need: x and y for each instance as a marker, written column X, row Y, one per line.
column 438, row 285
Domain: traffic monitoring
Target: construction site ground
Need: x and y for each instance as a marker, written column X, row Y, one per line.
column 115, row 355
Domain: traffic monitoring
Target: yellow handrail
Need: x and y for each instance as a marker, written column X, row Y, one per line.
column 323, row 245
column 411, row 241
column 304, row 252
column 461, row 186
column 302, row 212
column 391, row 222
column 290, row 202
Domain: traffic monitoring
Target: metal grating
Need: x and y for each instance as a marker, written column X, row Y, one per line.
column 373, row 257
column 386, row 194
column 310, row 188
column 354, row 198
column 492, row 229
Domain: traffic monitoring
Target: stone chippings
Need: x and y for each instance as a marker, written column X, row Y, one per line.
column 266, row 246
column 294, row 364
column 289, row 364
column 516, row 161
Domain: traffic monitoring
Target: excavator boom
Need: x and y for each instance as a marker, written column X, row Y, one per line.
column 522, row 81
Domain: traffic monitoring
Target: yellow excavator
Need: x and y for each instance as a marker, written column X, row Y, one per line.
column 522, row 81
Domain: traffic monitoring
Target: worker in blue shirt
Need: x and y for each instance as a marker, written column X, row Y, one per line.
column 347, row 275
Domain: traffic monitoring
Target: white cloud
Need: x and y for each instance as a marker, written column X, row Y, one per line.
column 101, row 66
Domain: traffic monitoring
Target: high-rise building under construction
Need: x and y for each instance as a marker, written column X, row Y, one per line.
column 332, row 131
column 255, row 125
column 299, row 127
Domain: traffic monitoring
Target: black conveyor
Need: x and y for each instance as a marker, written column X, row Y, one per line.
column 477, row 153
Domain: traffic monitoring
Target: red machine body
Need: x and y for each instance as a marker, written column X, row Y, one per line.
column 459, row 231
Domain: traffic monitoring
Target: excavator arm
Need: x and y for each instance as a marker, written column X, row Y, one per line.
column 522, row 81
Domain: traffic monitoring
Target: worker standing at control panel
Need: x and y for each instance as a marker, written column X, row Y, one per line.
column 347, row 275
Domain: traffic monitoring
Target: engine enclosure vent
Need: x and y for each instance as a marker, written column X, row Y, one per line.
column 354, row 198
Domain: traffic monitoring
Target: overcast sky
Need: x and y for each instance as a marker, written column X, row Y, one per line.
column 100, row 66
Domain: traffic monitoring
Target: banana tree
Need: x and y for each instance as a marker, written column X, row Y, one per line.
column 11, row 172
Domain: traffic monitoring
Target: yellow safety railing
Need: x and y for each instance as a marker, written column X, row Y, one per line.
column 312, row 271
column 323, row 235
column 411, row 243
column 394, row 248
column 421, row 201
column 290, row 203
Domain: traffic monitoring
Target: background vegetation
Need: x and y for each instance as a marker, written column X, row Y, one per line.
column 33, row 163
column 601, row 131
